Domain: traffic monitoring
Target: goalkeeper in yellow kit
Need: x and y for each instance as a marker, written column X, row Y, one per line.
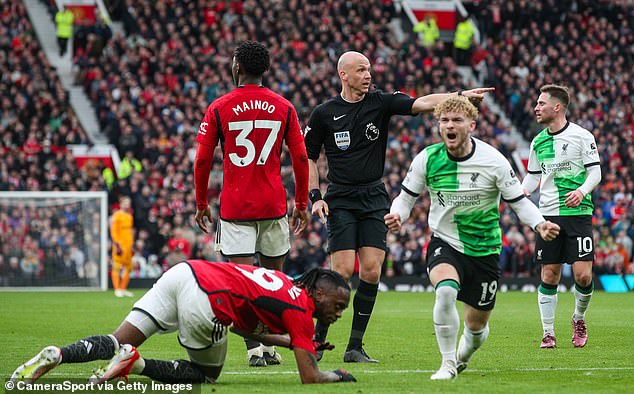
column 122, row 235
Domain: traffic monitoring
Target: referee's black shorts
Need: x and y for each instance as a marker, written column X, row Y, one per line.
column 356, row 216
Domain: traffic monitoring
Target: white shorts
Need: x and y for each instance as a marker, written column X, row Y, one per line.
column 270, row 238
column 175, row 302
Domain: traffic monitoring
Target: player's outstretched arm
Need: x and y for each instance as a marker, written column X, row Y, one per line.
column 309, row 371
column 428, row 102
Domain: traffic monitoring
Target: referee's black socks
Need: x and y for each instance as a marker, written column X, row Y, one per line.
column 363, row 304
column 321, row 332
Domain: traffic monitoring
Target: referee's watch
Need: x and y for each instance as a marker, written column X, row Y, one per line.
column 314, row 195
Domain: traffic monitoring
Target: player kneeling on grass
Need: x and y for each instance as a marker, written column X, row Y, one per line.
column 200, row 300
column 465, row 178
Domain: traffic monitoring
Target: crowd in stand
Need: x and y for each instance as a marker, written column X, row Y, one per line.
column 151, row 88
column 52, row 242
column 36, row 119
column 36, row 123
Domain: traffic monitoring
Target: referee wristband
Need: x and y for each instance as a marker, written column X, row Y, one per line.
column 314, row 195
column 460, row 92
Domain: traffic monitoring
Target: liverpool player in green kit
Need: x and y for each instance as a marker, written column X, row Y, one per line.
column 564, row 157
column 465, row 178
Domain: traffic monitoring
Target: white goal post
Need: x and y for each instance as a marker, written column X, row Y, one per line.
column 54, row 241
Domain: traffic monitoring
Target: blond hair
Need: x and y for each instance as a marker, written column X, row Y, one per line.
column 459, row 104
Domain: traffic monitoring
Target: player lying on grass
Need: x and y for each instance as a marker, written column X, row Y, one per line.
column 200, row 300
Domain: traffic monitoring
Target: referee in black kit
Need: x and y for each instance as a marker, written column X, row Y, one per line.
column 353, row 128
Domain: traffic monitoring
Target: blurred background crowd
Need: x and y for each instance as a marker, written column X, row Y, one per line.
column 151, row 86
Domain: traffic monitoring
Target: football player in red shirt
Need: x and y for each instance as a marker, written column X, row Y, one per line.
column 201, row 300
column 251, row 123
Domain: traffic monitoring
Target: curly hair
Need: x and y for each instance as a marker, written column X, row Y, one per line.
column 253, row 57
column 320, row 277
column 456, row 104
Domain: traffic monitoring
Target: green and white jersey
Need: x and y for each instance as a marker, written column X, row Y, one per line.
column 465, row 195
column 562, row 158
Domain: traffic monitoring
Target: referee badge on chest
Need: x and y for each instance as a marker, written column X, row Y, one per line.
column 342, row 139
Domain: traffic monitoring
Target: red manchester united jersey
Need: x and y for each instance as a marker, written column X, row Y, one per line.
column 257, row 300
column 251, row 122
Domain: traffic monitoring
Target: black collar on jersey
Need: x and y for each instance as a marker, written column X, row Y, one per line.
column 343, row 100
column 467, row 157
column 562, row 129
column 250, row 84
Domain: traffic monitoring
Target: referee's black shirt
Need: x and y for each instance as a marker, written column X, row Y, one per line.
column 354, row 135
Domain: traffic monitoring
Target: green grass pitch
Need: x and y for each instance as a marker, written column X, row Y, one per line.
column 400, row 335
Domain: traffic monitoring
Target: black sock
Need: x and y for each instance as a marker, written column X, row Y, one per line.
column 363, row 304
column 251, row 344
column 98, row 347
column 174, row 371
column 321, row 331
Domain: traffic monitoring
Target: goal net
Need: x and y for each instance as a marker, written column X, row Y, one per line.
column 53, row 240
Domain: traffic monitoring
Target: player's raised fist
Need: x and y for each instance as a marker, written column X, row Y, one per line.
column 548, row 230
column 393, row 221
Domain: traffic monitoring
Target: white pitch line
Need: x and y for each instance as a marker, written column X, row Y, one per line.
column 399, row 371
column 433, row 370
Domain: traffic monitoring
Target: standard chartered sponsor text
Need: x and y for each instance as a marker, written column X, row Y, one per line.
column 457, row 200
column 563, row 166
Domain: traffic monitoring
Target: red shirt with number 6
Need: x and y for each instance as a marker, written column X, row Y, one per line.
column 257, row 300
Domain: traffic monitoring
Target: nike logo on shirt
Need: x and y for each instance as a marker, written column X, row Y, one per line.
column 338, row 117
